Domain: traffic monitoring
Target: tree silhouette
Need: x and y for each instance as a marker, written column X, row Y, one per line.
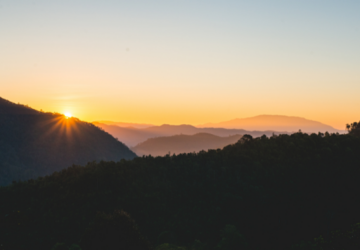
column 353, row 128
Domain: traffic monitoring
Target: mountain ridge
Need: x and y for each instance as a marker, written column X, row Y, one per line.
column 178, row 144
column 276, row 123
column 133, row 136
column 125, row 124
column 8, row 107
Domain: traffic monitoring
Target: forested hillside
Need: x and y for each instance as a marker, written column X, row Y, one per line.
column 34, row 144
column 263, row 193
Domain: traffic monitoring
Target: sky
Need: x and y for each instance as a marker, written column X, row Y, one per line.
column 183, row 62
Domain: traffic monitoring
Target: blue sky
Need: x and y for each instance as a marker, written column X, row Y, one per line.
column 289, row 57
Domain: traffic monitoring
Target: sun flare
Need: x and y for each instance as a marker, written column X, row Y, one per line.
column 68, row 115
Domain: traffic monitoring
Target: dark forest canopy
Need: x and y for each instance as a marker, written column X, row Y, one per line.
column 34, row 143
column 263, row 193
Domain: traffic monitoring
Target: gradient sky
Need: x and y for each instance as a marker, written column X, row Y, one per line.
column 183, row 61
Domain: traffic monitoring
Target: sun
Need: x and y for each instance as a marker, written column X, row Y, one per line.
column 68, row 115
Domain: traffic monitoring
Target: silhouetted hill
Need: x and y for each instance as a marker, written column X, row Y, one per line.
column 263, row 193
column 133, row 136
column 10, row 108
column 33, row 144
column 178, row 144
column 275, row 123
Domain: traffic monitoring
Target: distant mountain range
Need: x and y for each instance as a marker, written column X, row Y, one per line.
column 275, row 123
column 34, row 144
column 183, row 144
column 133, row 136
column 126, row 124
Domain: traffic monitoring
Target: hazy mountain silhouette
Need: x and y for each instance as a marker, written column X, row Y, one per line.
column 125, row 124
column 130, row 136
column 33, row 143
column 168, row 130
column 276, row 123
column 133, row 136
column 131, row 133
column 178, row 144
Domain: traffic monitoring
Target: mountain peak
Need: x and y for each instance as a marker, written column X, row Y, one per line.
column 275, row 123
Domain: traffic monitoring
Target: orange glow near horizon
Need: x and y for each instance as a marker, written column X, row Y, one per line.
column 146, row 101
column 158, row 113
column 194, row 100
column 143, row 62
